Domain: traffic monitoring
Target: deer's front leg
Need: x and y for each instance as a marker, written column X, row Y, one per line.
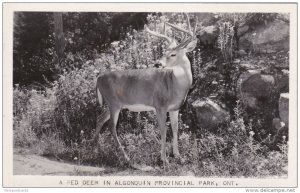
column 174, row 124
column 161, row 117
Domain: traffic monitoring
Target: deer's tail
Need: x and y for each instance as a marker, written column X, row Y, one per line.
column 100, row 98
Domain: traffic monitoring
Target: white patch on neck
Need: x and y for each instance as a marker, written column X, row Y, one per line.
column 178, row 71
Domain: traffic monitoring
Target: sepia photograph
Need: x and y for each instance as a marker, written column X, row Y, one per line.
column 159, row 97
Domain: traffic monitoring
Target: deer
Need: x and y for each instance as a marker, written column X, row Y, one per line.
column 162, row 90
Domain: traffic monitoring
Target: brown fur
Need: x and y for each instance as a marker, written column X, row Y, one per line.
column 151, row 87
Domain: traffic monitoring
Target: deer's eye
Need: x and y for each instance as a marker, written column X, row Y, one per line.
column 173, row 55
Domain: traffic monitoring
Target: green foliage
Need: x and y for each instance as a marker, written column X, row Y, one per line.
column 196, row 64
column 231, row 152
column 24, row 136
column 50, row 145
column 20, row 102
column 36, row 120
column 225, row 40
column 33, row 47
column 76, row 102
column 56, row 121
column 87, row 33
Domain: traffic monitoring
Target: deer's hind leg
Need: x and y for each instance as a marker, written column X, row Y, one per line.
column 114, row 116
column 103, row 118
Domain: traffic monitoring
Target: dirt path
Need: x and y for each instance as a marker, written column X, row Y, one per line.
column 30, row 164
column 37, row 165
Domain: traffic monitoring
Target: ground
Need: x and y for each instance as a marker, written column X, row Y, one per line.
column 38, row 165
column 31, row 164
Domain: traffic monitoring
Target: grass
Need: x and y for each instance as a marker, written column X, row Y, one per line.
column 54, row 122
column 232, row 152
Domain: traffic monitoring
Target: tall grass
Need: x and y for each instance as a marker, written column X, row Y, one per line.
column 232, row 151
column 56, row 121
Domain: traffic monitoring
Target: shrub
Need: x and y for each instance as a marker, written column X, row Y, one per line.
column 55, row 122
column 23, row 135
column 20, row 103
column 36, row 120
column 225, row 40
column 76, row 106
column 51, row 145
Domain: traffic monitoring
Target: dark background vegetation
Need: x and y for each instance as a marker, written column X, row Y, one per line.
column 58, row 56
column 86, row 33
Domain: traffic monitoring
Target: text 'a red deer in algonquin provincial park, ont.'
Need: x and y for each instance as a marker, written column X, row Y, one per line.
column 162, row 90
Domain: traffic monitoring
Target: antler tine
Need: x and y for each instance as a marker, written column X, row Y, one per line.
column 196, row 23
column 169, row 40
column 189, row 31
column 178, row 28
column 188, row 21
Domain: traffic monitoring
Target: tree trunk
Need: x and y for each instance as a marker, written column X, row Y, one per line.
column 59, row 35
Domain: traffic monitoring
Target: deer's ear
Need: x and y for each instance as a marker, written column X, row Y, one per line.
column 191, row 46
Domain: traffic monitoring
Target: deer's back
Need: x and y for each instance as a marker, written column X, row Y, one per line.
column 152, row 87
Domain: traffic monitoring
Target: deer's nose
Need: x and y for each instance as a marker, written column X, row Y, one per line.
column 158, row 64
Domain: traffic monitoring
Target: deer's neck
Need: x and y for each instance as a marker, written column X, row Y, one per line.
column 183, row 73
column 182, row 82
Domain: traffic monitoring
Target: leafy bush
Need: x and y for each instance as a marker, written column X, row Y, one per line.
column 225, row 40
column 24, row 136
column 20, row 103
column 55, row 122
column 75, row 90
column 76, row 102
column 36, row 120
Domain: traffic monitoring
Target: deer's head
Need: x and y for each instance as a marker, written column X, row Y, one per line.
column 175, row 53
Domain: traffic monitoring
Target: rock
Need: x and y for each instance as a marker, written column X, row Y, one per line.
column 208, row 35
column 280, row 134
column 208, row 113
column 277, row 123
column 247, row 66
column 242, row 30
column 285, row 72
column 249, row 100
column 258, row 85
column 268, row 38
column 253, row 86
column 241, row 53
column 236, row 61
column 270, row 51
column 284, row 108
column 261, row 62
column 282, row 83
column 206, row 18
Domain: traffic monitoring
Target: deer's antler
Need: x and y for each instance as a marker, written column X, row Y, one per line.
column 168, row 39
column 189, row 31
column 172, row 43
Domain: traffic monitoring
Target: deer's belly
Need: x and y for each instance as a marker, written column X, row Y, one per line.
column 139, row 107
